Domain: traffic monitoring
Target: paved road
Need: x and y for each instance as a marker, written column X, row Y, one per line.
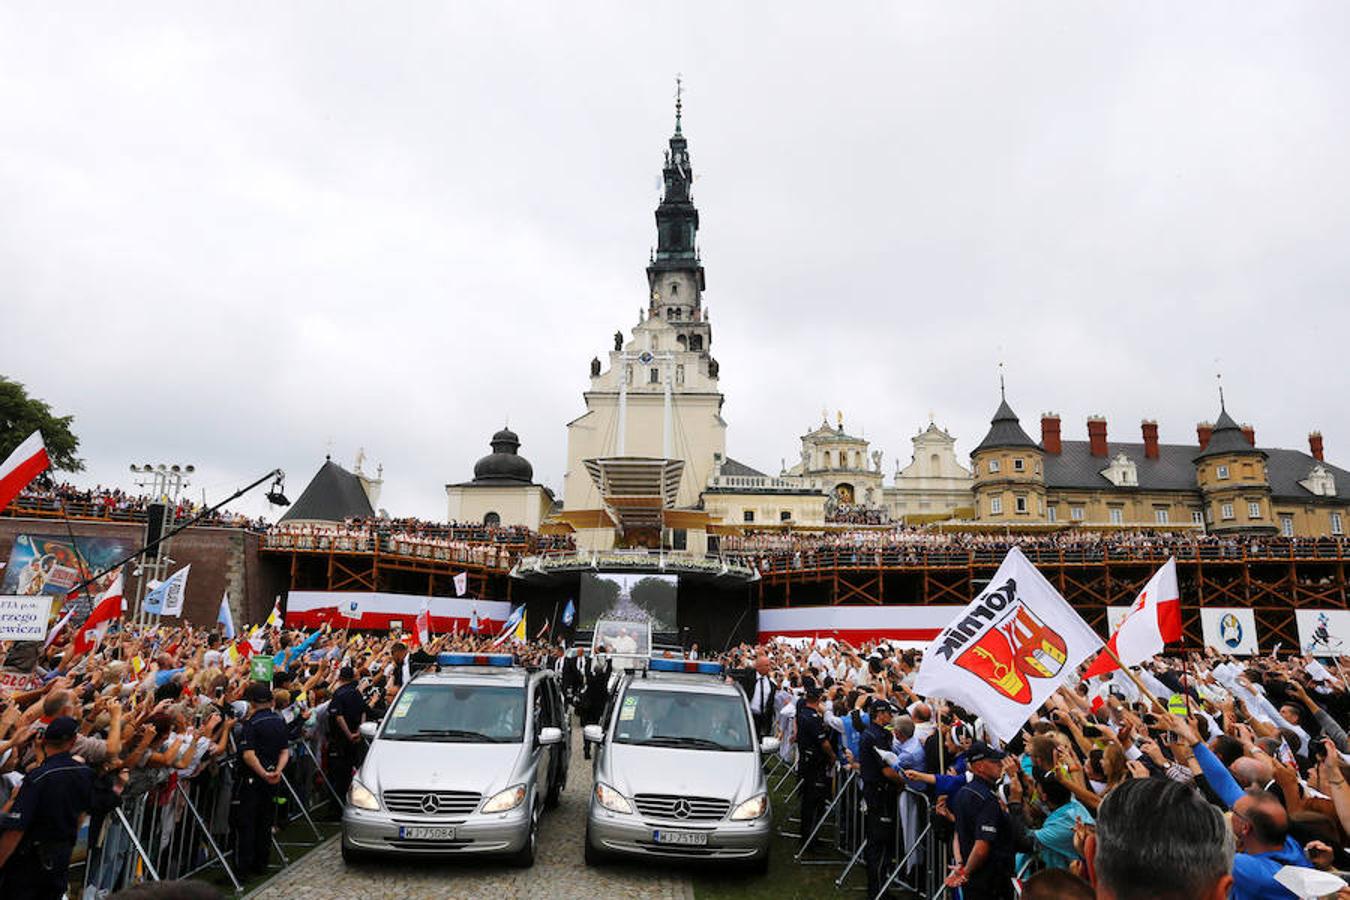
column 558, row 871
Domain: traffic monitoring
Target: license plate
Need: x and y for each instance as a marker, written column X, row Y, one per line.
column 425, row 833
column 682, row 838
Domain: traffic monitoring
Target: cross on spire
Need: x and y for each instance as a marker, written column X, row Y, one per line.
column 1002, row 391
column 679, row 100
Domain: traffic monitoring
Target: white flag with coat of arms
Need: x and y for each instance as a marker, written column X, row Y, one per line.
column 1009, row 650
column 461, row 584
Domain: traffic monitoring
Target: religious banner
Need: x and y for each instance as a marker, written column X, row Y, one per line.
column 1230, row 630
column 1324, row 632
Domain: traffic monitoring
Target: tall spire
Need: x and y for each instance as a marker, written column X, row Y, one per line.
column 676, row 217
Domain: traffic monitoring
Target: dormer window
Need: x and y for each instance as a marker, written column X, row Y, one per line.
column 1122, row 472
column 1320, row 482
column 1221, row 473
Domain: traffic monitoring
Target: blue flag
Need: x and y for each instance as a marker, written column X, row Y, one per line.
column 569, row 613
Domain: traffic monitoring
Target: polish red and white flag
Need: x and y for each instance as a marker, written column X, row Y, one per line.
column 107, row 609
column 1153, row 621
column 28, row 461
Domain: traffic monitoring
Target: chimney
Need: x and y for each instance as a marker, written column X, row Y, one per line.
column 1204, row 431
column 1097, row 435
column 1315, row 445
column 1150, row 429
column 1249, row 433
column 1050, row 433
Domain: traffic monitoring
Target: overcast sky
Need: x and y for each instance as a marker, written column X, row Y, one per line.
column 233, row 233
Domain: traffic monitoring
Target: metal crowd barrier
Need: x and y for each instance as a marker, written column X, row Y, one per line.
column 919, row 859
column 180, row 827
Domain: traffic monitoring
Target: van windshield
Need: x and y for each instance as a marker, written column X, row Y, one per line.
column 683, row 719
column 457, row 713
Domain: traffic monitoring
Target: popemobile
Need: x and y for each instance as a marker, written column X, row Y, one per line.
column 679, row 773
column 465, row 762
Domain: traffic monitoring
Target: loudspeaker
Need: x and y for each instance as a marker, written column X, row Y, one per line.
column 154, row 522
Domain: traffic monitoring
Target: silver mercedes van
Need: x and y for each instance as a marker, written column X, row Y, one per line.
column 464, row 762
column 678, row 771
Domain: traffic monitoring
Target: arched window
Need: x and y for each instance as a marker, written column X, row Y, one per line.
column 492, row 520
column 696, row 342
column 936, row 462
column 682, row 341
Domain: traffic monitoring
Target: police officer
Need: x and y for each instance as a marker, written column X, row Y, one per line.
column 261, row 741
column 39, row 830
column 881, row 783
column 815, row 759
column 346, row 711
column 983, row 832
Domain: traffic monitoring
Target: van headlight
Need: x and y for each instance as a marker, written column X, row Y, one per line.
column 611, row 799
column 751, row 809
column 360, row 796
column 507, row 800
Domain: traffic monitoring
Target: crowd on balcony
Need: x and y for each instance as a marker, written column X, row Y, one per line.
column 101, row 502
column 475, row 543
column 912, row 545
column 856, row 514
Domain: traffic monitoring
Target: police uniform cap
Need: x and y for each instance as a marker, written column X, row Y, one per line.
column 813, row 692
column 346, row 673
column 258, row 693
column 62, row 728
column 883, row 706
column 980, row 750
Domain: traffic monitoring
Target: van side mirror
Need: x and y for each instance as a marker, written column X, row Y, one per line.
column 550, row 735
column 769, row 745
column 368, row 729
column 593, row 733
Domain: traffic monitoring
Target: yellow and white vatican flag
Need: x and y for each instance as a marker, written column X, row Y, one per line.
column 1009, row 650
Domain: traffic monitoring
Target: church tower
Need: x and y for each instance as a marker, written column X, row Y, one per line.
column 640, row 457
column 675, row 274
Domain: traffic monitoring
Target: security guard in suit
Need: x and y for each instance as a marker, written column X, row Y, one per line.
column 983, row 831
column 38, row 834
column 815, row 759
column 881, row 792
column 261, row 741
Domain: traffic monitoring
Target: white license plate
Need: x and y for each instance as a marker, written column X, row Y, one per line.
column 425, row 833
column 682, row 838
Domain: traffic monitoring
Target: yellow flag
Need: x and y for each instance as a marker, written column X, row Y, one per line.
column 520, row 629
column 232, row 655
column 137, row 664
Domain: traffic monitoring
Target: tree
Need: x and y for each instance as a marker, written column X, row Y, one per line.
column 21, row 415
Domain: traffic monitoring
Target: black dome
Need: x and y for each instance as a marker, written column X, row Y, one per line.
column 504, row 463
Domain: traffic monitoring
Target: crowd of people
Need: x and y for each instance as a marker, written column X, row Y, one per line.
column 1236, row 772
column 491, row 546
column 1198, row 776
column 856, row 514
column 101, row 502
column 912, row 545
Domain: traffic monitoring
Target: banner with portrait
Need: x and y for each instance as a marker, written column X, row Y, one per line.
column 51, row 565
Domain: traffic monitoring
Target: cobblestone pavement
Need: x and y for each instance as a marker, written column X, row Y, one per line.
column 558, row 872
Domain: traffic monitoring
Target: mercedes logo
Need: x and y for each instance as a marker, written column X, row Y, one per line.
column 431, row 804
column 681, row 809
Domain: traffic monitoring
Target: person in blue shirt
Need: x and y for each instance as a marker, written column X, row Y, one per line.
column 1260, row 825
column 855, row 723
column 1053, row 841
